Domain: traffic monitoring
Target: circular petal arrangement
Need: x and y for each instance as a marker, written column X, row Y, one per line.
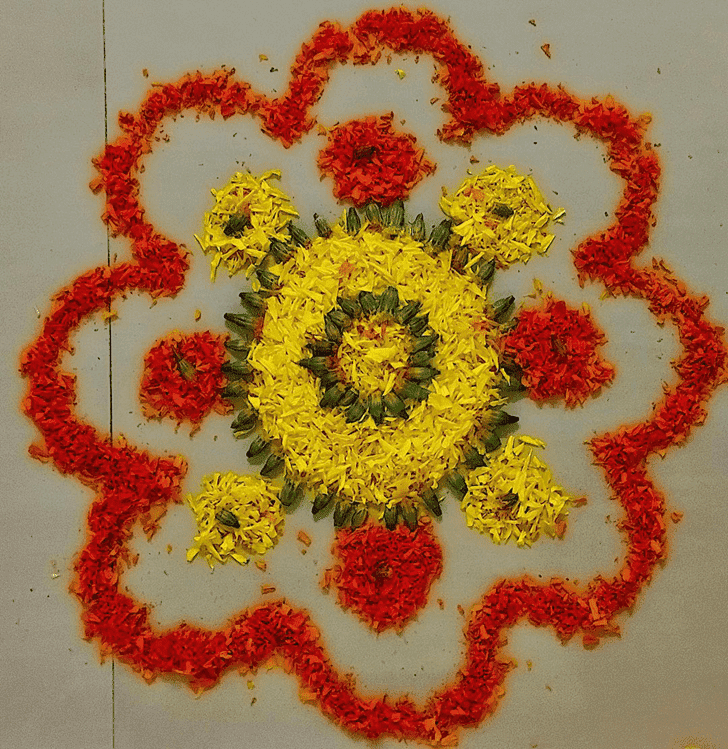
column 514, row 496
column 183, row 378
column 249, row 213
column 501, row 215
column 369, row 161
column 236, row 516
column 557, row 349
column 384, row 576
column 368, row 457
column 132, row 485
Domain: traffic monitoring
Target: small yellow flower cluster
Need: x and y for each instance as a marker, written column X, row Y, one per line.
column 237, row 516
column 500, row 214
column 364, row 462
column 515, row 496
column 259, row 212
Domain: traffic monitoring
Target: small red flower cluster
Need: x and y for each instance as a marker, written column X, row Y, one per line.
column 182, row 379
column 133, row 485
column 557, row 349
column 384, row 576
column 368, row 160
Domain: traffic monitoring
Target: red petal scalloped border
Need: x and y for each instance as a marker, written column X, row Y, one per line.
column 133, row 484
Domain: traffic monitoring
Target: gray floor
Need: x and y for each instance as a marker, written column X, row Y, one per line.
column 68, row 68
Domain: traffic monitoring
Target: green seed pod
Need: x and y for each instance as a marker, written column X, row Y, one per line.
column 405, row 313
column 431, row 502
column 332, row 395
column 321, row 502
column 350, row 396
column 234, row 370
column 253, row 301
column 502, row 210
column 395, row 405
column 267, row 279
column 331, row 330
column 233, row 390
column 502, row 308
column 389, row 300
column 322, row 226
column 501, row 419
column 244, row 431
column 244, row 421
column 186, row 369
column 511, row 368
column 421, row 358
column 413, row 391
column 339, row 318
column 236, row 225
column 321, row 348
column 457, row 483
column 419, row 374
column 510, row 499
column 290, row 492
column 272, row 465
column 225, row 517
column 358, row 516
column 237, row 346
column 242, row 321
column 329, row 378
column 459, row 258
column 424, row 342
column 298, row 235
column 353, row 222
column 373, row 214
column 280, row 251
column 409, row 515
column 390, row 517
column 490, row 442
column 385, row 212
column 418, row 325
column 257, row 447
column 342, row 511
column 485, row 271
column 441, row 235
column 319, row 365
column 473, row 459
column 417, row 229
column 355, row 412
column 368, row 302
column 514, row 386
column 349, row 306
column 396, row 214
column 375, row 407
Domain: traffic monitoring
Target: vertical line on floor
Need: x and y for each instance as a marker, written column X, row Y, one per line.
column 111, row 379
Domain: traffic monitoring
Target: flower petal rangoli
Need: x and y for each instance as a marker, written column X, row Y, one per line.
column 133, row 485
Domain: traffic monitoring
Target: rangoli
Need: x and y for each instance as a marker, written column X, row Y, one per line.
column 368, row 370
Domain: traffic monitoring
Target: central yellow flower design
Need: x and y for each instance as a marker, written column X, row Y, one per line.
column 365, row 462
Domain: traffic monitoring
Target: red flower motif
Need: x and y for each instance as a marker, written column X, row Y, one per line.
column 557, row 349
column 368, row 160
column 384, row 576
column 182, row 378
